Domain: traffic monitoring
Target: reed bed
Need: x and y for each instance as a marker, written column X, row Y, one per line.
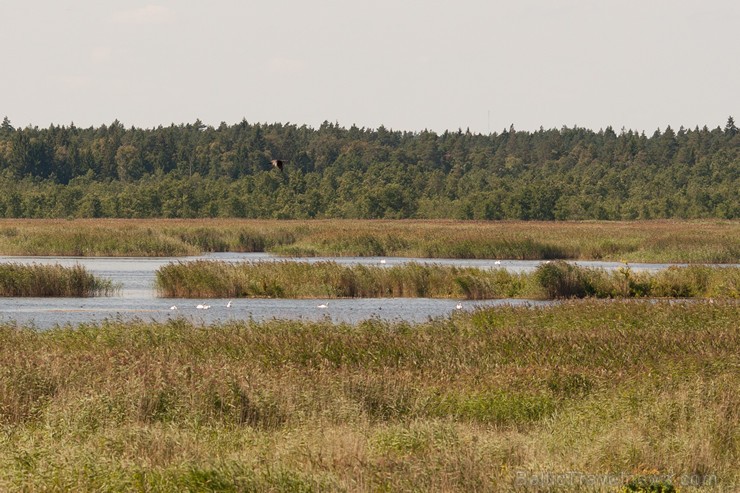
column 621, row 394
column 640, row 241
column 20, row 280
column 564, row 280
column 217, row 279
column 89, row 239
column 205, row 278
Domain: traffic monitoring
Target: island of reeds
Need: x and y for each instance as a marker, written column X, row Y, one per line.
column 637, row 396
column 39, row 280
column 327, row 279
column 707, row 241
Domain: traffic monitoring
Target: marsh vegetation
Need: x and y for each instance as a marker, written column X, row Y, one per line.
column 51, row 280
column 644, row 241
column 551, row 280
column 466, row 403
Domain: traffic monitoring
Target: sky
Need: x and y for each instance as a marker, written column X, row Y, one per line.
column 408, row 65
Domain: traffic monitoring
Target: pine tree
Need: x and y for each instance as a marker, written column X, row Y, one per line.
column 6, row 127
column 730, row 128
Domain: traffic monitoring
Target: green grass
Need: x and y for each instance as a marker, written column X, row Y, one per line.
column 636, row 390
column 644, row 241
column 217, row 279
column 51, row 280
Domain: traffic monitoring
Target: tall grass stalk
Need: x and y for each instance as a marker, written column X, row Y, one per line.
column 476, row 402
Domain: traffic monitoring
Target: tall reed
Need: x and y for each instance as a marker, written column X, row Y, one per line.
column 563, row 280
column 51, row 280
column 217, row 279
column 651, row 241
column 204, row 278
column 489, row 400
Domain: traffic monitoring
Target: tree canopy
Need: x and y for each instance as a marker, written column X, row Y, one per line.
column 194, row 170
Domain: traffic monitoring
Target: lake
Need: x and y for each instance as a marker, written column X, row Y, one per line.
column 137, row 298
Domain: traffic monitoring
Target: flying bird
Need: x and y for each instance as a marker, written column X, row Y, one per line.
column 277, row 163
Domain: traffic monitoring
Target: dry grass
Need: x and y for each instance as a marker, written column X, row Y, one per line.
column 488, row 401
column 652, row 241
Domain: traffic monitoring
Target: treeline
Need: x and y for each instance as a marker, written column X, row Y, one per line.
column 195, row 170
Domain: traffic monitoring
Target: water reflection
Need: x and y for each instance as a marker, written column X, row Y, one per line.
column 137, row 298
column 44, row 313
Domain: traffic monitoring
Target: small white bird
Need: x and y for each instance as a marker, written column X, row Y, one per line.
column 498, row 262
column 203, row 307
column 382, row 261
column 173, row 307
column 458, row 306
column 228, row 305
column 323, row 305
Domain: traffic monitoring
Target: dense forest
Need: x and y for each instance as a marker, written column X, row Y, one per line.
column 194, row 170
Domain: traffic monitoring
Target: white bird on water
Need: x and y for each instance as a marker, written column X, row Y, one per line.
column 458, row 306
column 323, row 305
column 173, row 307
column 498, row 262
column 228, row 305
column 382, row 261
column 203, row 307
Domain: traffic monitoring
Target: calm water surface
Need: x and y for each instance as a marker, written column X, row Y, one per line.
column 137, row 298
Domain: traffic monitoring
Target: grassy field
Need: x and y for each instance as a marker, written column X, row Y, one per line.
column 51, row 280
column 558, row 279
column 647, row 241
column 505, row 399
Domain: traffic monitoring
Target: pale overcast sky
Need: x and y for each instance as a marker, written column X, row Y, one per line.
column 405, row 64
